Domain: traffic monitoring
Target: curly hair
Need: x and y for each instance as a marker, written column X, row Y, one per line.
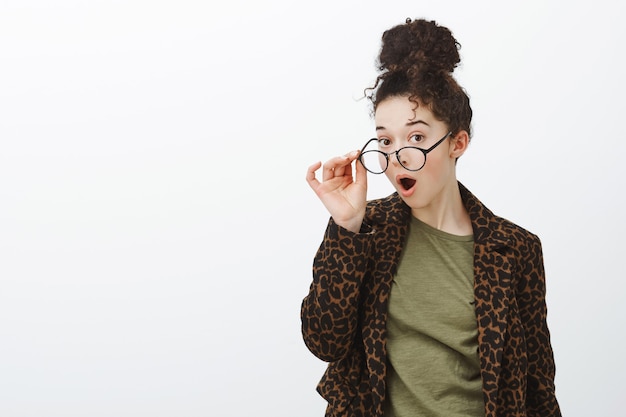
column 416, row 60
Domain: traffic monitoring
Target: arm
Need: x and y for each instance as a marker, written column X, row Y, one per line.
column 540, row 397
column 330, row 311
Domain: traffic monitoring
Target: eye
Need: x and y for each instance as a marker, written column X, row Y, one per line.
column 384, row 143
column 416, row 138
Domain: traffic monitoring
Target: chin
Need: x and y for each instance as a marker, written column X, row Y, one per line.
column 413, row 201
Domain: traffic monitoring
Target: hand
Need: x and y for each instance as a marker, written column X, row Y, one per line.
column 343, row 195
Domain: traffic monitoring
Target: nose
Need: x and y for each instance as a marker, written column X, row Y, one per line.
column 395, row 159
column 402, row 158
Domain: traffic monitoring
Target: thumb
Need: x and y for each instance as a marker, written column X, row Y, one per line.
column 361, row 172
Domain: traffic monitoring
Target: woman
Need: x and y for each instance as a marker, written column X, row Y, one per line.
column 424, row 303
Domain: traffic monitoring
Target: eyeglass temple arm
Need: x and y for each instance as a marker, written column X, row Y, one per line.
column 365, row 146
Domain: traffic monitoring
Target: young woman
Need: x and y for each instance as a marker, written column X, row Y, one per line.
column 424, row 303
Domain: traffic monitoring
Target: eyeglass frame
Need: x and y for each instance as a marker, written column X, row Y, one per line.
column 424, row 151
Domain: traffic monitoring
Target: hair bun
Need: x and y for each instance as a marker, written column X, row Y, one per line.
column 419, row 45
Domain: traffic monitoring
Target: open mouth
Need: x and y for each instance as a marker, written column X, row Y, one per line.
column 407, row 183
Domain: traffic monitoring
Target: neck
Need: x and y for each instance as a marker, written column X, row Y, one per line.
column 446, row 212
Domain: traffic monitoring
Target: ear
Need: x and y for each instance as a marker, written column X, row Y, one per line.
column 459, row 144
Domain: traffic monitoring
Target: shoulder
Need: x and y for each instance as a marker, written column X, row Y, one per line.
column 491, row 227
column 386, row 208
column 390, row 211
column 524, row 242
column 391, row 201
column 516, row 232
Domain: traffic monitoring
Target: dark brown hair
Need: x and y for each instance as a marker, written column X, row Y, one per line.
column 417, row 60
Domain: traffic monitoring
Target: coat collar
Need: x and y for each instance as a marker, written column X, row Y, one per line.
column 487, row 227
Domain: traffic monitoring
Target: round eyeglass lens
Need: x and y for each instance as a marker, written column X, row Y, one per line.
column 411, row 158
column 374, row 161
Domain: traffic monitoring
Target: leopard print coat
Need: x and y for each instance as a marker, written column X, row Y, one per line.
column 344, row 315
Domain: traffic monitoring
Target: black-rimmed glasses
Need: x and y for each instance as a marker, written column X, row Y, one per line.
column 411, row 158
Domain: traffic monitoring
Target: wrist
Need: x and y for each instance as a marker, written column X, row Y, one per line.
column 353, row 225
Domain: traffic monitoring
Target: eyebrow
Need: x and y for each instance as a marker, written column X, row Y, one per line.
column 409, row 123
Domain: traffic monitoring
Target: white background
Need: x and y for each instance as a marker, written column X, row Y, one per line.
column 156, row 230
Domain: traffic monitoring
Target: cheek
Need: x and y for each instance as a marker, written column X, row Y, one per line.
column 390, row 177
column 436, row 163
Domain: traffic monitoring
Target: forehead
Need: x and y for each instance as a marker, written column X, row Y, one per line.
column 397, row 111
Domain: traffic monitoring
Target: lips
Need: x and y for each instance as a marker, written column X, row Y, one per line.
column 406, row 185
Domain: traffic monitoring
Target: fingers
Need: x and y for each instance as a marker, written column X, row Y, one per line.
column 361, row 174
column 337, row 166
column 346, row 167
column 310, row 175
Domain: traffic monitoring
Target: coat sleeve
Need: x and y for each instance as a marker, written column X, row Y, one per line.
column 540, row 397
column 330, row 311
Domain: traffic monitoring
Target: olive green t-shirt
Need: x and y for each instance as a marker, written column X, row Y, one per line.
column 432, row 334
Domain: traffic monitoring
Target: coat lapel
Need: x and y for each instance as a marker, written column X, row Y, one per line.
column 492, row 287
column 393, row 216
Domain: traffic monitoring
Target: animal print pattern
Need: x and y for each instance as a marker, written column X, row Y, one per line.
column 344, row 315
